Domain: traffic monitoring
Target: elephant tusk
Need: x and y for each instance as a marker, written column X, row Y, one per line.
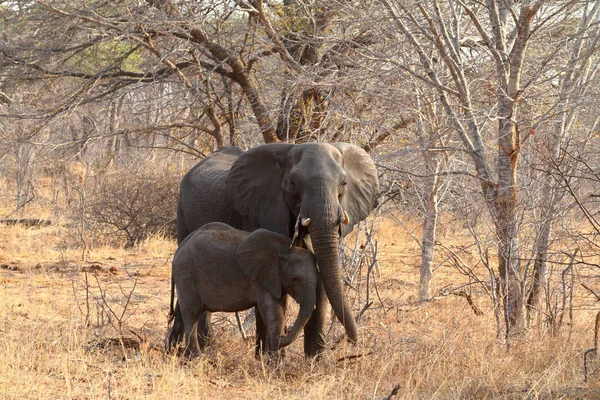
column 346, row 219
column 296, row 229
column 305, row 221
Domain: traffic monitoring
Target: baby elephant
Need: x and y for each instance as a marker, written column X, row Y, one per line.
column 219, row 268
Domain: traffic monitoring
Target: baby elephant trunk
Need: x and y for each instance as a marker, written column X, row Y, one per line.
column 307, row 304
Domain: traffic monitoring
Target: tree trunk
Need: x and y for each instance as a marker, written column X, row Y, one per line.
column 538, row 288
column 240, row 75
column 428, row 240
column 509, row 71
column 509, row 263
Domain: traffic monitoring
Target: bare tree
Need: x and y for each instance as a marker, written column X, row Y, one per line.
column 573, row 81
column 450, row 42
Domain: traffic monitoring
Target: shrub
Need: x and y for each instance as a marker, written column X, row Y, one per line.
column 134, row 206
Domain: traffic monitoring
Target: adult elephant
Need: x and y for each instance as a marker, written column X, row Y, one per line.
column 314, row 190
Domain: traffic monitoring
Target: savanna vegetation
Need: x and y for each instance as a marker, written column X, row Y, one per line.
column 477, row 276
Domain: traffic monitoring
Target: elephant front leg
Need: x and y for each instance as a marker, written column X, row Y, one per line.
column 270, row 311
column 261, row 333
column 314, row 330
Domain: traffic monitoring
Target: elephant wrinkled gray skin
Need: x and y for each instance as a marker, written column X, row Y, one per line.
column 327, row 187
column 219, row 268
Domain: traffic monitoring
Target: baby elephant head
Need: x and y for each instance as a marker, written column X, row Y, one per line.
column 267, row 259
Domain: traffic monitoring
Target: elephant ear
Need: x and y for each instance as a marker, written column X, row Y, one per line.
column 254, row 187
column 362, row 184
column 258, row 257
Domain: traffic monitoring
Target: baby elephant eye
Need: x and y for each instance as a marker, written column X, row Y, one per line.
column 295, row 278
column 344, row 183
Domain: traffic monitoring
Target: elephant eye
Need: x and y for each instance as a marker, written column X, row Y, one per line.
column 342, row 188
column 292, row 183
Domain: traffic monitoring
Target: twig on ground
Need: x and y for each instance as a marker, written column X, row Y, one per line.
column 469, row 299
column 353, row 356
column 461, row 293
column 392, row 393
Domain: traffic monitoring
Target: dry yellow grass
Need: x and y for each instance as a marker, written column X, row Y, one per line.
column 57, row 332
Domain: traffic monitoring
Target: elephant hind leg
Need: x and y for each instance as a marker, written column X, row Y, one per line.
column 190, row 323
column 175, row 334
column 204, row 329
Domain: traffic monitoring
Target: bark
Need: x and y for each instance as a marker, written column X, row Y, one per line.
column 240, row 75
column 427, row 117
column 428, row 240
column 535, row 300
column 509, row 148
column 217, row 131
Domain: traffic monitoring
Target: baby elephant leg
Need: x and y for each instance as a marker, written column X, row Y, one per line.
column 190, row 323
column 204, row 329
column 175, row 335
column 262, row 331
column 273, row 317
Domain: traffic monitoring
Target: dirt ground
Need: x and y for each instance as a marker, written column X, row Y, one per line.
column 94, row 329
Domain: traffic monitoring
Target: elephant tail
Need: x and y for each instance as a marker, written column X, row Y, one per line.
column 171, row 315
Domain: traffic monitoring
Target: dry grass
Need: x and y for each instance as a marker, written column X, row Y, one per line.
column 60, row 318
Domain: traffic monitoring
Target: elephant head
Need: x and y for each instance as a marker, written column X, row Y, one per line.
column 329, row 187
column 267, row 259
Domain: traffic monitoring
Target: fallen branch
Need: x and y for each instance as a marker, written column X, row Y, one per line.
column 27, row 222
column 392, row 393
column 125, row 342
column 469, row 299
column 445, row 293
column 354, row 356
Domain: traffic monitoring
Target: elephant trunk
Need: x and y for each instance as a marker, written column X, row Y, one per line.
column 307, row 304
column 325, row 242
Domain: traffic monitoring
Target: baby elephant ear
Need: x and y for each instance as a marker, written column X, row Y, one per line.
column 258, row 259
